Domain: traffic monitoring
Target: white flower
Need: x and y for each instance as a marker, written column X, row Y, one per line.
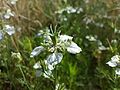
column 114, row 41
column 70, row 10
column 117, row 71
column 80, row 10
column 91, row 38
column 74, row 48
column 54, row 58
column 1, row 35
column 64, row 38
column 37, row 65
column 9, row 29
column 102, row 48
column 115, row 60
column 36, row 51
column 13, row 2
column 112, row 64
column 8, row 14
column 50, row 67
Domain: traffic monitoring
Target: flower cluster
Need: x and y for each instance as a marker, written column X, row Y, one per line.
column 55, row 43
column 9, row 29
column 94, row 38
column 6, row 14
column 115, row 62
column 70, row 10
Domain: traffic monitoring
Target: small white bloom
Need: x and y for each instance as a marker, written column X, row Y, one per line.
column 54, row 58
column 91, row 38
column 114, row 41
column 8, row 14
column 16, row 55
column 102, row 48
column 37, row 65
column 64, row 38
column 74, row 48
column 9, row 29
column 50, row 67
column 115, row 60
column 80, row 10
column 117, row 71
column 1, row 35
column 13, row 2
column 36, row 51
column 112, row 64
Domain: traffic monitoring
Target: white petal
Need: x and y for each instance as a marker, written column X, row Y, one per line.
column 117, row 71
column 112, row 64
column 9, row 29
column 1, row 36
column 54, row 58
column 65, row 38
column 50, row 67
column 74, row 48
column 13, row 2
column 102, row 48
column 37, row 65
column 37, row 51
column 116, row 58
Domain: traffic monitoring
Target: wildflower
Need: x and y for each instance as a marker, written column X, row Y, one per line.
column 1, row 35
column 102, row 48
column 74, row 48
column 88, row 20
column 114, row 41
column 117, row 71
column 70, row 10
column 117, row 31
column 36, row 51
column 64, row 38
column 91, row 38
column 13, row 2
column 9, row 29
column 37, row 65
column 16, row 55
column 115, row 60
column 54, row 58
column 8, row 14
column 80, row 10
column 59, row 86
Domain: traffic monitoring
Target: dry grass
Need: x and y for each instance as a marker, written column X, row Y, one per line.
column 32, row 14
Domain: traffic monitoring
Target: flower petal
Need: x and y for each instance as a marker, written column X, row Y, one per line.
column 117, row 71
column 112, row 64
column 37, row 65
column 1, row 35
column 37, row 51
column 74, row 48
column 54, row 58
column 9, row 29
column 65, row 38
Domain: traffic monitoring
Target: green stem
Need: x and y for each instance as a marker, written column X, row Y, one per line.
column 24, row 77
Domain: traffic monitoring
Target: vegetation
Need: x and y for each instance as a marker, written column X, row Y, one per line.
column 59, row 45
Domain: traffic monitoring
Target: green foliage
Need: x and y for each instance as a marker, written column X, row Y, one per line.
column 95, row 28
